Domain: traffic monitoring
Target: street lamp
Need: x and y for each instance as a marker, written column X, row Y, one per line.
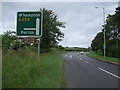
column 104, row 45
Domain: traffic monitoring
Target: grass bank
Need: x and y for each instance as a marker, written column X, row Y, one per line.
column 25, row 69
column 107, row 59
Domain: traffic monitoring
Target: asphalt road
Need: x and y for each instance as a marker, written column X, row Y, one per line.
column 82, row 71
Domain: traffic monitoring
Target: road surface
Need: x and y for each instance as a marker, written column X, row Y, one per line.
column 82, row 71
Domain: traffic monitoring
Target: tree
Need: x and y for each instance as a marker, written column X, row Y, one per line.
column 10, row 41
column 112, row 29
column 51, row 30
column 97, row 42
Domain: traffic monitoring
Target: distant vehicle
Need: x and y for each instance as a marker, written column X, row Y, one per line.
column 81, row 52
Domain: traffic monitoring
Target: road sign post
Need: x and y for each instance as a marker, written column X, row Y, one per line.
column 38, row 48
column 29, row 27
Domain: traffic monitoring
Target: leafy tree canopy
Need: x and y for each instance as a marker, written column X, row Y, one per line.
column 51, row 30
column 112, row 32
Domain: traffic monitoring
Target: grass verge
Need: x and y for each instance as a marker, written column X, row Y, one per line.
column 107, row 59
column 28, row 70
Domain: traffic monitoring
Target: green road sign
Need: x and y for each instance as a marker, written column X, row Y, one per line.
column 29, row 24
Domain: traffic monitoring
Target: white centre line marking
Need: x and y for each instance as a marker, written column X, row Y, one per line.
column 70, row 56
column 86, row 62
column 81, row 59
column 109, row 73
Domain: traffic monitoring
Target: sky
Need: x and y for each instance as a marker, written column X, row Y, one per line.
column 83, row 20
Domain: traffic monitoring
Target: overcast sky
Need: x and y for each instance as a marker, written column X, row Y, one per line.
column 83, row 21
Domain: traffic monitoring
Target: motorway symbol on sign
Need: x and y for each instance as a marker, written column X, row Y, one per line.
column 29, row 24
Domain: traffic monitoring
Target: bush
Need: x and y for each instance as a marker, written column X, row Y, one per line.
column 100, row 52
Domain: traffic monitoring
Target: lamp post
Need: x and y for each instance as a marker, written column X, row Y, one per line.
column 104, row 45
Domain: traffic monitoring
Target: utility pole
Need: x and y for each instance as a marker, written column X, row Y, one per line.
column 104, row 33
column 119, row 4
column 104, row 45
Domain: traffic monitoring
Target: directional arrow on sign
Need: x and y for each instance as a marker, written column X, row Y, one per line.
column 37, row 27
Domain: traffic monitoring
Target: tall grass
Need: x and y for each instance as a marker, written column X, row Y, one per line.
column 25, row 69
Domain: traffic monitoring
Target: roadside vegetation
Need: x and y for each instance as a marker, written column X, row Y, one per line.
column 76, row 49
column 25, row 69
column 108, row 59
column 22, row 67
column 112, row 36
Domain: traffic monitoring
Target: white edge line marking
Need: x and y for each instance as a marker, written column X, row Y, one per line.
column 109, row 73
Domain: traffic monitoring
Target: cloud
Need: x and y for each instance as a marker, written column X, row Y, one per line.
column 83, row 21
